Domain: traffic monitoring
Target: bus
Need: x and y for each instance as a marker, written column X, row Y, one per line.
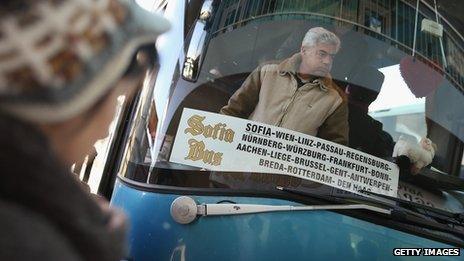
column 235, row 150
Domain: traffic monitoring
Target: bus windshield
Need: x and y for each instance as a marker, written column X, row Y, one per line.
column 330, row 94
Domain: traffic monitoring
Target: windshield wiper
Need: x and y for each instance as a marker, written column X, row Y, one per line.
column 185, row 210
column 397, row 213
column 450, row 217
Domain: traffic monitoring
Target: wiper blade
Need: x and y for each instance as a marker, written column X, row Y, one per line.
column 397, row 213
column 455, row 218
column 331, row 199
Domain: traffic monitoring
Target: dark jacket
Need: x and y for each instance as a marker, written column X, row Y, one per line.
column 367, row 135
column 45, row 214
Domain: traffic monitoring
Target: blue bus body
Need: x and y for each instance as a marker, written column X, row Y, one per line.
column 312, row 235
column 297, row 235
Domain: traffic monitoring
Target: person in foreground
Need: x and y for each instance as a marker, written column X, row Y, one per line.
column 298, row 93
column 62, row 66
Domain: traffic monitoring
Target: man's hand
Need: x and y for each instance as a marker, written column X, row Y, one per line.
column 420, row 154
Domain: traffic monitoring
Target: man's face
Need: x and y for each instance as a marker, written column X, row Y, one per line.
column 317, row 60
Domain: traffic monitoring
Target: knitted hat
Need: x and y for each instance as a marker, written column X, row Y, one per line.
column 58, row 57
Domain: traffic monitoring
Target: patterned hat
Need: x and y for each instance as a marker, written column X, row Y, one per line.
column 58, row 57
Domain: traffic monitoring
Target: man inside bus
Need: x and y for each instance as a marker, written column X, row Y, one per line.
column 298, row 93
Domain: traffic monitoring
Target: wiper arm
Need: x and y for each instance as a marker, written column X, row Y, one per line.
column 238, row 209
column 184, row 210
column 450, row 217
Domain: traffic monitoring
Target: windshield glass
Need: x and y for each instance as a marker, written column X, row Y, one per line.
column 333, row 97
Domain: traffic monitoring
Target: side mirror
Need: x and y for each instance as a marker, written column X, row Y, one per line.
column 197, row 47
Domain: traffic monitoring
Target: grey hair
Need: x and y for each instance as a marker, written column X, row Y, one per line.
column 318, row 35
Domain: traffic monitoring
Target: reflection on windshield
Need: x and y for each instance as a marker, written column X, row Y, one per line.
column 395, row 93
column 353, row 81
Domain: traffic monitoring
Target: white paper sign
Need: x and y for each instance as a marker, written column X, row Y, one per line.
column 223, row 143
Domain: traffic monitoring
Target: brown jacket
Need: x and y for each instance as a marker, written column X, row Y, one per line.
column 270, row 95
